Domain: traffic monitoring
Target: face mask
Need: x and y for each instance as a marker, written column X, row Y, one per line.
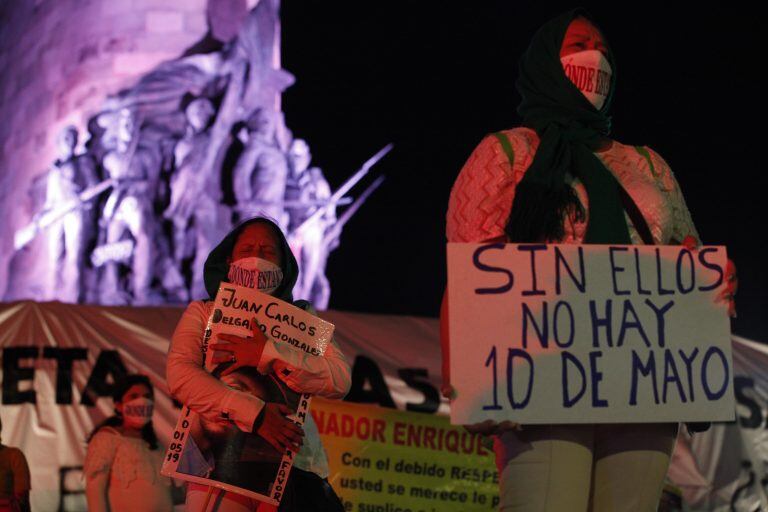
column 590, row 72
column 138, row 412
column 256, row 273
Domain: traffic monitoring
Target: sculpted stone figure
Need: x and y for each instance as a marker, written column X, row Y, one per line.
column 308, row 193
column 199, row 219
column 68, row 237
column 128, row 211
column 259, row 178
column 299, row 157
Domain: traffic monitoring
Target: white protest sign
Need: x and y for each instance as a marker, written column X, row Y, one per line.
column 588, row 334
column 201, row 450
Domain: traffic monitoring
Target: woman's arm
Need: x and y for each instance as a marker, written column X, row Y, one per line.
column 480, row 202
column 192, row 385
column 478, row 209
column 98, row 467
column 96, row 492
column 681, row 222
column 329, row 376
column 482, row 195
column 683, row 230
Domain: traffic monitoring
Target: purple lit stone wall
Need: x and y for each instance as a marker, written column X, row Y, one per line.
column 61, row 59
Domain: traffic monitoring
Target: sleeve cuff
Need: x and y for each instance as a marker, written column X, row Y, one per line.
column 259, row 420
column 242, row 409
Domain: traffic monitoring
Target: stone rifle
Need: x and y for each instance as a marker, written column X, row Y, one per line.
column 343, row 189
column 46, row 218
column 335, row 230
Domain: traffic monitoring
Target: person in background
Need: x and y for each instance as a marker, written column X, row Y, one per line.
column 122, row 464
column 559, row 178
column 14, row 479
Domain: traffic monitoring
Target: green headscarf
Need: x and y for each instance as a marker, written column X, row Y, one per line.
column 570, row 128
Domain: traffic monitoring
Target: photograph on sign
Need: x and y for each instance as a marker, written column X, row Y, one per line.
column 547, row 333
column 214, row 451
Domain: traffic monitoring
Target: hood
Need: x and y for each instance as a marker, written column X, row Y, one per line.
column 216, row 267
column 547, row 93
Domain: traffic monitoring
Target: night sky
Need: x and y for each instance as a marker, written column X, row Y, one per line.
column 435, row 77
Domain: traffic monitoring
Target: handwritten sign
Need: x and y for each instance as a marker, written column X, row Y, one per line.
column 202, row 449
column 588, row 334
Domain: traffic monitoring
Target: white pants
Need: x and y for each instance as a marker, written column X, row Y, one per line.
column 580, row 468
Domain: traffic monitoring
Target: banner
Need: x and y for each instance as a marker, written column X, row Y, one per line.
column 59, row 363
column 588, row 334
column 59, row 360
column 385, row 460
column 725, row 469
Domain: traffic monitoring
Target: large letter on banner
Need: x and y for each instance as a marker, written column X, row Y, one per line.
column 588, row 334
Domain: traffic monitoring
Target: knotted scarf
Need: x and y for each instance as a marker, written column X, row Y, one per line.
column 570, row 129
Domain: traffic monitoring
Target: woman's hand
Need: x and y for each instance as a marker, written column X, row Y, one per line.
column 731, row 280
column 279, row 431
column 731, row 287
column 238, row 350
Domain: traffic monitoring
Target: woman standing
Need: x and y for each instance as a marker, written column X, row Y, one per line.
column 560, row 179
column 122, row 465
column 257, row 246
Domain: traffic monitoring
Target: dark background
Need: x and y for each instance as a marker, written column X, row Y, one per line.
column 435, row 77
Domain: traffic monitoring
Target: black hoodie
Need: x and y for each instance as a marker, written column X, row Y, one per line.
column 216, row 267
